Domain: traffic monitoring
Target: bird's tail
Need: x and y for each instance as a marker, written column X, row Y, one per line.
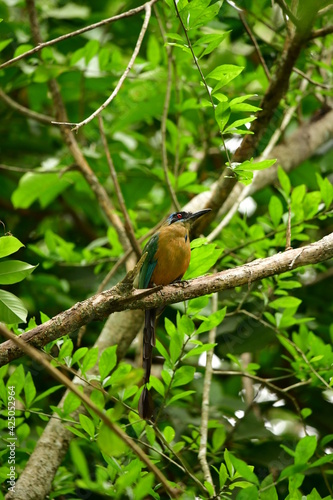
column 145, row 402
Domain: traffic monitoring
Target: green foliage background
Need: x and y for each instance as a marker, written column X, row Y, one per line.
column 269, row 438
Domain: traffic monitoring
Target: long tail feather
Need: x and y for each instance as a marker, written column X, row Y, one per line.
column 149, row 341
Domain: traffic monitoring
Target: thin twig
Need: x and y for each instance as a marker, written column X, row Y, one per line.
column 295, row 346
column 25, row 111
column 255, row 43
column 202, row 455
column 40, row 46
column 123, row 77
column 41, row 358
column 310, row 80
column 101, row 195
column 196, row 62
column 321, row 32
column 165, row 116
column 128, row 224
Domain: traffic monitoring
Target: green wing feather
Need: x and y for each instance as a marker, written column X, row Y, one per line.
column 150, row 263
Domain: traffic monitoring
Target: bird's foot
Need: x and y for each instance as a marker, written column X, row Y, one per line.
column 182, row 283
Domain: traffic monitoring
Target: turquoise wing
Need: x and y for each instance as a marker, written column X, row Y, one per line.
column 150, row 263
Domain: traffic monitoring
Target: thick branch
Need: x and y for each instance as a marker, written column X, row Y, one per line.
column 117, row 298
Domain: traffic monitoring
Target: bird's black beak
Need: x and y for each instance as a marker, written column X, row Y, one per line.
column 196, row 215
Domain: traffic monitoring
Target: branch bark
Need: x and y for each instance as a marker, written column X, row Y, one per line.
column 119, row 298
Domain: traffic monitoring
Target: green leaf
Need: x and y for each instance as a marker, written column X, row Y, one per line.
column 326, row 190
column 223, row 475
column 169, row 433
column 222, row 115
column 71, row 403
column 157, row 385
column 212, row 41
column 219, row 437
column 4, row 43
column 12, row 309
column 180, row 395
column 305, row 449
column 66, row 349
column 153, row 51
column 224, row 74
column 87, row 425
column 238, row 123
column 275, row 209
column 210, row 488
column 29, row 390
column 82, row 351
column 17, row 380
column 228, row 463
column 9, row 245
column 185, row 325
column 212, row 321
column 21, row 49
column 250, row 165
column 323, row 460
column 176, row 346
column 269, row 493
column 198, row 350
column 110, row 443
column 284, row 180
column 39, row 187
column 90, row 50
column 90, row 359
column 183, row 376
column 107, row 361
column 14, row 271
column 285, row 302
column 46, row 393
column 244, row 470
column 79, row 460
column 202, row 260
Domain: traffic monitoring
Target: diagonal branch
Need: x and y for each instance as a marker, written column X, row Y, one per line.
column 42, row 45
column 121, row 79
column 122, row 296
column 42, row 359
column 128, row 224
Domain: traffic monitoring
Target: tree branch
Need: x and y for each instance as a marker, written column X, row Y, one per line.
column 42, row 45
column 42, row 359
column 121, row 79
column 39, row 117
column 128, row 224
column 121, row 296
column 273, row 95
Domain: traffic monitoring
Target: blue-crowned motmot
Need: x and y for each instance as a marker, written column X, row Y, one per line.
column 168, row 257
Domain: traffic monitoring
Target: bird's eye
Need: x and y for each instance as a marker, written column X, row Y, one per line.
column 179, row 216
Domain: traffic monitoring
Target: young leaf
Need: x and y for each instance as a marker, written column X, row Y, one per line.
column 284, row 180
column 9, row 245
column 12, row 309
column 183, row 376
column 29, row 390
column 87, row 425
column 275, row 209
column 305, row 449
column 14, row 271
column 107, row 361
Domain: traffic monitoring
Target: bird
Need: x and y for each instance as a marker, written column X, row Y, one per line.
column 168, row 257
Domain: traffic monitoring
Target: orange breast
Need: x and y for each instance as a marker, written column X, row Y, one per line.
column 173, row 254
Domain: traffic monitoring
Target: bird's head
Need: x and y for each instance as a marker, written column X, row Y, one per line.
column 185, row 218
